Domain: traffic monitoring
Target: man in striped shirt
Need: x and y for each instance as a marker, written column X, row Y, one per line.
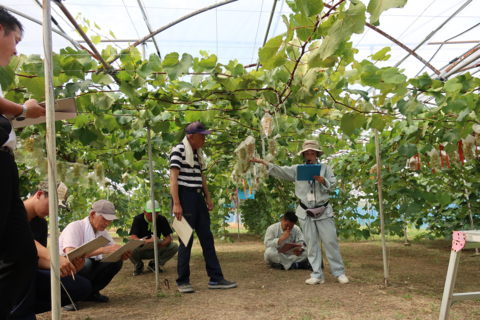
column 189, row 187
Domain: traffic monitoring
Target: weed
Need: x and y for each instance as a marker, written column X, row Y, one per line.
column 162, row 295
column 178, row 295
column 347, row 263
column 407, row 296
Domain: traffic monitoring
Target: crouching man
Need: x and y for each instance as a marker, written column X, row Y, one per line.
column 142, row 229
column 277, row 235
column 80, row 232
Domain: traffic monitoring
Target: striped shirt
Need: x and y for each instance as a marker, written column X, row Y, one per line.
column 188, row 176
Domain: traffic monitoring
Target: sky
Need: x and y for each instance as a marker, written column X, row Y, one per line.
column 237, row 30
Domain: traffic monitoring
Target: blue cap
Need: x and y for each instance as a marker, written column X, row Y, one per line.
column 197, row 127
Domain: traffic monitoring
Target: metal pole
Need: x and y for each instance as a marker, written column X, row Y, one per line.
column 149, row 28
column 434, row 31
column 154, row 213
column 461, row 65
column 470, row 214
column 268, row 30
column 75, row 44
column 380, row 199
column 52, row 163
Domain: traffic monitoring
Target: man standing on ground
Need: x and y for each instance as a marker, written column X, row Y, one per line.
column 315, row 212
column 142, row 229
column 80, row 232
column 38, row 298
column 189, row 187
column 18, row 256
column 277, row 235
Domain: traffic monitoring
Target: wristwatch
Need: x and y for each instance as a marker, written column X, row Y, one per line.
column 22, row 115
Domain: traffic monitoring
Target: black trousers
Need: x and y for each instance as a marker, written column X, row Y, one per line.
column 39, row 297
column 196, row 213
column 18, row 255
column 99, row 273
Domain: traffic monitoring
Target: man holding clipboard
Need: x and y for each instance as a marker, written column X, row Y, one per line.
column 314, row 212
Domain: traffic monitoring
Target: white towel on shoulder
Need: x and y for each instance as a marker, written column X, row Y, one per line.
column 189, row 155
column 89, row 235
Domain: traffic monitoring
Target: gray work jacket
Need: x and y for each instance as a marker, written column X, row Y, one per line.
column 302, row 188
column 275, row 231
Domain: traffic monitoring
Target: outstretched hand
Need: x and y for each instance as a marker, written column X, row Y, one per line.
column 256, row 160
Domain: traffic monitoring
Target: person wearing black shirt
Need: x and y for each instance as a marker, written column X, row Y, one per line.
column 37, row 299
column 17, row 251
column 142, row 228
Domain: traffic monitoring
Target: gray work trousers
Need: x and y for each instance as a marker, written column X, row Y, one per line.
column 286, row 260
column 164, row 254
column 324, row 228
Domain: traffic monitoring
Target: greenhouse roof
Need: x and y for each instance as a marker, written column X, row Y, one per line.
column 236, row 30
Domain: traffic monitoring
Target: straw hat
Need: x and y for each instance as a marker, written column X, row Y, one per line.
column 311, row 145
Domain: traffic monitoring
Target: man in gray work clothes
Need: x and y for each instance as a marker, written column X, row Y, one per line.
column 277, row 235
column 314, row 212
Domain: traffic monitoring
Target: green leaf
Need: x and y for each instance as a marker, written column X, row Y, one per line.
column 378, row 122
column 96, row 39
column 85, row 136
column 309, row 7
column 273, row 53
column 376, row 7
column 350, row 122
column 110, row 123
column 304, row 24
column 353, row 22
column 145, row 70
column 7, row 77
column 463, row 114
column 443, row 198
column 391, row 75
column 209, row 63
column 451, row 136
column 381, row 55
column 102, row 78
column 175, row 68
column 163, row 126
column 452, row 85
column 310, row 79
column 407, row 150
column 430, row 197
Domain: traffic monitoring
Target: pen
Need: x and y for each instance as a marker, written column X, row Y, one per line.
column 73, row 276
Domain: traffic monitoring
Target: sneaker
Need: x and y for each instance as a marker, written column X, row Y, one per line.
column 314, row 281
column 222, row 284
column 278, row 266
column 151, row 267
column 71, row 307
column 304, row 265
column 185, row 288
column 97, row 297
column 137, row 272
column 342, row 279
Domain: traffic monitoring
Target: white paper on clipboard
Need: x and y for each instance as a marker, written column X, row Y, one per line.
column 183, row 229
column 117, row 254
column 88, row 247
column 64, row 109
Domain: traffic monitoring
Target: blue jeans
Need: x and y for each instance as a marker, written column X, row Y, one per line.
column 196, row 213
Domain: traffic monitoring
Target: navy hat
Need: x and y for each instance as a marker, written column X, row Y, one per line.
column 197, row 127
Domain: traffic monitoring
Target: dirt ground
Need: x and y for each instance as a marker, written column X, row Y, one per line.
column 417, row 277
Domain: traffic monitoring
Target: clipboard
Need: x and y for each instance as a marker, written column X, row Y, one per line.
column 117, row 254
column 64, row 109
column 305, row 172
column 87, row 248
column 150, row 245
column 183, row 229
column 288, row 248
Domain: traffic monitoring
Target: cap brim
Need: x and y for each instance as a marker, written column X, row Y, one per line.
column 150, row 210
column 318, row 150
column 205, row 132
column 109, row 217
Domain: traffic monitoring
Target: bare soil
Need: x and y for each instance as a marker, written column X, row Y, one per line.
column 416, row 281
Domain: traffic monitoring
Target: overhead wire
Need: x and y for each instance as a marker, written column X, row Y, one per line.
column 138, row 35
column 256, row 34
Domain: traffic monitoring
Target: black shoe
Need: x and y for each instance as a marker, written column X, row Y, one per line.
column 304, row 265
column 138, row 271
column 151, row 267
column 71, row 307
column 97, row 297
column 222, row 284
column 278, row 266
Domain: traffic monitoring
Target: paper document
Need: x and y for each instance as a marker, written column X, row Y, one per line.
column 288, row 248
column 183, row 229
column 305, row 172
column 150, row 245
column 88, row 247
column 64, row 109
column 117, row 255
